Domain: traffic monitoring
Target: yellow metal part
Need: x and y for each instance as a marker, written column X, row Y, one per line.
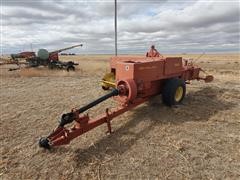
column 179, row 94
column 108, row 81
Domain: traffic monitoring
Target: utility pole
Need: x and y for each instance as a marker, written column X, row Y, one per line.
column 31, row 47
column 115, row 22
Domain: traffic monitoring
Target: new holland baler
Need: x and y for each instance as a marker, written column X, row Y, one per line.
column 131, row 81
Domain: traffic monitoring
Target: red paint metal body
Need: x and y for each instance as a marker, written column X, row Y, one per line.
column 83, row 124
column 150, row 73
column 27, row 54
column 137, row 79
column 153, row 52
column 53, row 56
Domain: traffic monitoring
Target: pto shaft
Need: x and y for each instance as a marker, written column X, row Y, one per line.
column 70, row 117
column 99, row 100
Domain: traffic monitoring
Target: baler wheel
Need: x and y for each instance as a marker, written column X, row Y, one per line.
column 173, row 91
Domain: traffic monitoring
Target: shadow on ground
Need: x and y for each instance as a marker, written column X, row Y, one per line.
column 198, row 106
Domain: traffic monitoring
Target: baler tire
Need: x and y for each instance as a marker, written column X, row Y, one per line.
column 170, row 89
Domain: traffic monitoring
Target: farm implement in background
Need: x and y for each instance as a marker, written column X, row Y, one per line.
column 132, row 81
column 43, row 58
column 18, row 59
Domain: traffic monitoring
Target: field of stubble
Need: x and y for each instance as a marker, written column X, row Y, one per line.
column 200, row 139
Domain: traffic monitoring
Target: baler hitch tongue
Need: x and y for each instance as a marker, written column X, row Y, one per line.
column 44, row 143
column 60, row 131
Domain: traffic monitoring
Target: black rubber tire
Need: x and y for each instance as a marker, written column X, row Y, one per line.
column 50, row 66
column 105, row 88
column 169, row 90
column 70, row 68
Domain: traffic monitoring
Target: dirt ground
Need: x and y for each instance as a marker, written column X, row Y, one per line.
column 199, row 139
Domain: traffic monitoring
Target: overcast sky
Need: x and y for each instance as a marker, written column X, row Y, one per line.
column 174, row 26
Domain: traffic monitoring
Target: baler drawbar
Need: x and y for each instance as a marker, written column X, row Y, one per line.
column 62, row 135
